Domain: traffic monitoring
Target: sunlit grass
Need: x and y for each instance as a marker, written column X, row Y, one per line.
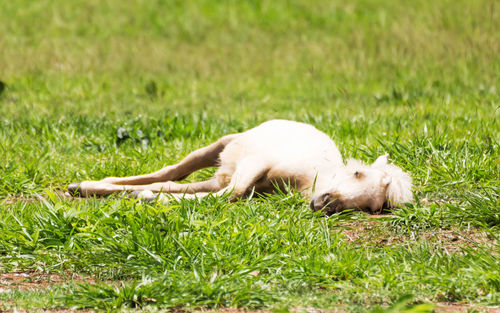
column 94, row 89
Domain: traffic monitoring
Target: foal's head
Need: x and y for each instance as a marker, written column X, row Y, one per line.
column 365, row 187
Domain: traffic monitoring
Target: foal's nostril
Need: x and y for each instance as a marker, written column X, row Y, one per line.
column 325, row 199
column 320, row 202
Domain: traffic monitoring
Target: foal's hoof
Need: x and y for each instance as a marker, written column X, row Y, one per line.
column 74, row 189
column 145, row 195
column 149, row 196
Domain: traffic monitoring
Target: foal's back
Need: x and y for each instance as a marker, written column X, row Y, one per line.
column 286, row 148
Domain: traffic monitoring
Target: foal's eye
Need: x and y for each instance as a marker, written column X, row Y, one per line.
column 356, row 174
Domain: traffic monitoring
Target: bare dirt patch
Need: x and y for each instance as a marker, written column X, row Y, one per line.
column 372, row 232
column 36, row 280
column 440, row 308
column 28, row 281
column 51, row 310
column 14, row 199
column 458, row 308
column 61, row 194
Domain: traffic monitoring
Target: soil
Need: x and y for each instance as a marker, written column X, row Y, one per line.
column 453, row 240
column 35, row 280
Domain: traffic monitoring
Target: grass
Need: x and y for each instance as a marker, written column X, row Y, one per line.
column 94, row 89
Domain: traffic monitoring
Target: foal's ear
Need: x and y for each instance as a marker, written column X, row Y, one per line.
column 381, row 160
column 398, row 183
column 399, row 186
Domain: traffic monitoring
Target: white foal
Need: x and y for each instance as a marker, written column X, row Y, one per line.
column 274, row 153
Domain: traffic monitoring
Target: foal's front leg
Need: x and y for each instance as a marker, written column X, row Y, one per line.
column 243, row 180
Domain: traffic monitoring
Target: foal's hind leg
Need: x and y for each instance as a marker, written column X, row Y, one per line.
column 201, row 158
column 100, row 188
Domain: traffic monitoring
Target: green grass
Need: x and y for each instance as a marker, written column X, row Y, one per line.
column 94, row 89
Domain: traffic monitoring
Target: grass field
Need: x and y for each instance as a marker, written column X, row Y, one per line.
column 417, row 79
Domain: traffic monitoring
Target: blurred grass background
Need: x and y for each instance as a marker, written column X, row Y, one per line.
column 256, row 58
column 114, row 88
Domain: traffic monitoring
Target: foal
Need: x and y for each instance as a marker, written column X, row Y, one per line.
column 270, row 155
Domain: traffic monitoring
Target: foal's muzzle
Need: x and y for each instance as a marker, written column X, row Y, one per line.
column 327, row 203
